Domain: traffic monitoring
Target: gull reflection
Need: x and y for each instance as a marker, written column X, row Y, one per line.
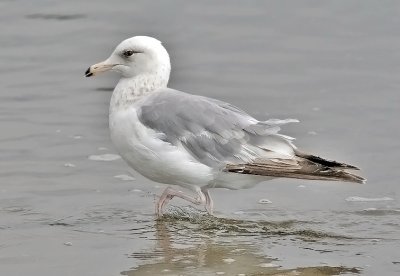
column 182, row 249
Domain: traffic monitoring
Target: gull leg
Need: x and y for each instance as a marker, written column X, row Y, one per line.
column 209, row 202
column 169, row 193
column 164, row 199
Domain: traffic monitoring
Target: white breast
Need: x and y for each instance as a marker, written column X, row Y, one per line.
column 155, row 159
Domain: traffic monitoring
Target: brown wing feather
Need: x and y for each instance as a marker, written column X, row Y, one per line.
column 299, row 167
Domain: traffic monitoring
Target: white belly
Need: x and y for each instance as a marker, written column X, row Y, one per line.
column 152, row 157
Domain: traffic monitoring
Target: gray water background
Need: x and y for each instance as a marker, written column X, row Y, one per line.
column 334, row 65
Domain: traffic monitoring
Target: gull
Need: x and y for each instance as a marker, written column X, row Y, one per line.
column 196, row 142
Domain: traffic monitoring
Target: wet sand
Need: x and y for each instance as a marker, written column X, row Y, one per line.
column 69, row 206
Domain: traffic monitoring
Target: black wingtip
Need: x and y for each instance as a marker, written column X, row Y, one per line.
column 88, row 73
column 326, row 162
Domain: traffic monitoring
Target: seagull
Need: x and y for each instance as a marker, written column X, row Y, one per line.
column 196, row 142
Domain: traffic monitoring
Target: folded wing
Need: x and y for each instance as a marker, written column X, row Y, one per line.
column 215, row 133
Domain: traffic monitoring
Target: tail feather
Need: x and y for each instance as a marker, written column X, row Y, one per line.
column 302, row 167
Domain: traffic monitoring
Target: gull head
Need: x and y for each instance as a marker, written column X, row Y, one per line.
column 138, row 55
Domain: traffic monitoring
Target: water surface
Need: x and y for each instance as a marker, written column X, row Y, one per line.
column 334, row 65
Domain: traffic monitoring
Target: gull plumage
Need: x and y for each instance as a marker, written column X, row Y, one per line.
column 196, row 142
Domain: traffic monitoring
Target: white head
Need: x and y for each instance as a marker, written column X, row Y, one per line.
column 138, row 55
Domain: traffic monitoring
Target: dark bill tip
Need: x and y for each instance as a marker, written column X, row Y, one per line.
column 88, row 73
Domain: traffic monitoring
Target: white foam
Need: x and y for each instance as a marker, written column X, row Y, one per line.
column 367, row 199
column 104, row 157
column 228, row 260
column 238, row 213
column 124, row 177
column 370, row 209
column 268, row 265
column 69, row 165
column 238, row 250
column 264, row 201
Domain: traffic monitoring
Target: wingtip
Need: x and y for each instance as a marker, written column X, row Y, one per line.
column 350, row 167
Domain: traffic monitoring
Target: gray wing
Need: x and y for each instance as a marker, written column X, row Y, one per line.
column 214, row 132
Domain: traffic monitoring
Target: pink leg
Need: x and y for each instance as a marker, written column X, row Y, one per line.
column 209, row 202
column 170, row 193
column 164, row 199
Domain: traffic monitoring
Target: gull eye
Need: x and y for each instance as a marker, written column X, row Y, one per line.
column 128, row 53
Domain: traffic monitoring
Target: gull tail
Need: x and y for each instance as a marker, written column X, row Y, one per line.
column 303, row 166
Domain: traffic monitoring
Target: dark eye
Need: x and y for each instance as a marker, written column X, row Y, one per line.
column 129, row 53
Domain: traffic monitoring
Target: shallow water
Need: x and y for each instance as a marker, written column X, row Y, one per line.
column 69, row 206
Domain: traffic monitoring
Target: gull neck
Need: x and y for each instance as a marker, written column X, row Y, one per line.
column 130, row 90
